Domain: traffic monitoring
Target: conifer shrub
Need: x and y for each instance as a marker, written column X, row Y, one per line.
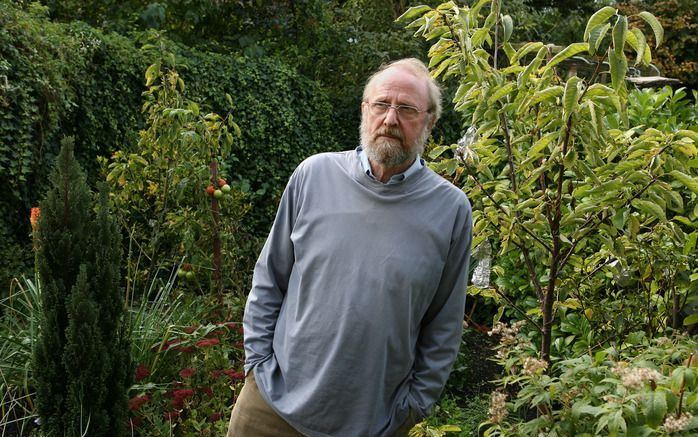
column 81, row 359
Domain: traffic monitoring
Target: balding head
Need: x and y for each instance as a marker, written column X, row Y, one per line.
column 418, row 69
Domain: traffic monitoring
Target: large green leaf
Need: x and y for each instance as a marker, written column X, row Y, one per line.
column 619, row 67
column 596, row 36
column 689, row 182
column 656, row 27
column 619, row 34
column 567, row 53
column 413, row 12
column 501, row 92
column 541, row 144
column 508, row 26
column 649, row 208
column 570, row 97
column 637, row 41
column 601, row 16
column 549, row 93
column 526, row 49
column 655, row 407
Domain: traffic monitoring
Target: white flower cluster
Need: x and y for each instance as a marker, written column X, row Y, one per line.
column 498, row 408
column 676, row 424
column 532, row 366
column 508, row 333
column 636, row 377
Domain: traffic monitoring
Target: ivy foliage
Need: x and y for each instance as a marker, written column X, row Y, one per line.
column 61, row 79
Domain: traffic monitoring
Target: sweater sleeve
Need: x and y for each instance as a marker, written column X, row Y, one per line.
column 270, row 282
column 441, row 329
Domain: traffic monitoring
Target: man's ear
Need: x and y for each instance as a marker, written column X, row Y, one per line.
column 432, row 122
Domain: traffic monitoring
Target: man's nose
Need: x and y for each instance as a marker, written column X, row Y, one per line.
column 390, row 118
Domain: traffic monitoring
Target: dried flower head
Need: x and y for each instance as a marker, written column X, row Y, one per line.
column 498, row 408
column 676, row 424
column 636, row 377
column 533, row 366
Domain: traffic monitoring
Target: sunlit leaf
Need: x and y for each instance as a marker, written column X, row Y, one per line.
column 654, row 24
column 567, row 53
column 599, row 17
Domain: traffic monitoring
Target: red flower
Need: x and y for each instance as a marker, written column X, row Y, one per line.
column 215, row 417
column 184, row 349
column 207, row 391
column 135, row 403
column 187, row 372
column 142, row 372
column 215, row 333
column 207, row 342
column 34, row 218
column 234, row 375
column 182, row 393
column 239, row 345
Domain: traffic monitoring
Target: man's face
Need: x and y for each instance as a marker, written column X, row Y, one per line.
column 388, row 139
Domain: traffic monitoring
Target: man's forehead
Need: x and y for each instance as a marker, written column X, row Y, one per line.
column 399, row 78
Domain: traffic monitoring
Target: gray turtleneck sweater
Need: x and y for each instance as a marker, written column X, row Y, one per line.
column 355, row 314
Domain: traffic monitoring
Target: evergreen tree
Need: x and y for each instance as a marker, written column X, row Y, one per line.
column 81, row 361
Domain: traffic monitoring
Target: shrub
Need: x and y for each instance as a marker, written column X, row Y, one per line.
column 81, row 359
column 638, row 387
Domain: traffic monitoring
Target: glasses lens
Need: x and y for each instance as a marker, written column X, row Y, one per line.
column 407, row 111
column 379, row 108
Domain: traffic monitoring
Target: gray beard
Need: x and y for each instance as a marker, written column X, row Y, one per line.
column 389, row 154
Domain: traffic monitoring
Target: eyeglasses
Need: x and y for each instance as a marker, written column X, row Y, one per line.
column 405, row 112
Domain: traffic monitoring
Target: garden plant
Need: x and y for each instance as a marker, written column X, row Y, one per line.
column 594, row 211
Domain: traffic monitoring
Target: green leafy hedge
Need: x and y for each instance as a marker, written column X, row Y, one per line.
column 70, row 79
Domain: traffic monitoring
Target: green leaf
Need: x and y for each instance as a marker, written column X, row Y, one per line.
column 570, row 96
column 649, row 208
column 619, row 67
column 546, row 94
column 637, row 41
column 413, row 12
column 619, row 31
column 152, row 73
column 508, row 26
column 541, row 144
column 690, row 320
column 654, row 24
column 689, row 182
column 690, row 243
column 501, row 92
column 655, row 408
column 568, row 52
column 526, row 49
column 437, row 151
column 596, row 36
column 601, row 16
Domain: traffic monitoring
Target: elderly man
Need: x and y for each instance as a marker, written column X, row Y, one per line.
column 355, row 315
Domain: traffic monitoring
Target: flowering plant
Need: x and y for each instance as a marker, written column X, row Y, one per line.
column 641, row 387
column 189, row 382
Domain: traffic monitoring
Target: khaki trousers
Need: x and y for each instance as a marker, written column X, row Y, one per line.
column 253, row 417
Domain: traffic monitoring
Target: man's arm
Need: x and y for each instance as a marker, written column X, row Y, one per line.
column 269, row 283
column 442, row 326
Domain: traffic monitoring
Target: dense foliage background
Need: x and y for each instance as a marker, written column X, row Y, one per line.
column 288, row 75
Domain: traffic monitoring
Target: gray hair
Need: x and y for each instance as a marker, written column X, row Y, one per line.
column 416, row 67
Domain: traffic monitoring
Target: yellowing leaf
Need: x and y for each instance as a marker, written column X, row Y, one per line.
column 654, row 24
column 601, row 16
column 567, row 52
